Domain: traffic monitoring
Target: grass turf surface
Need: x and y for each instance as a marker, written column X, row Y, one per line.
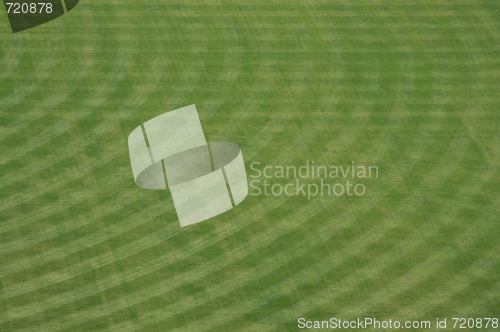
column 412, row 87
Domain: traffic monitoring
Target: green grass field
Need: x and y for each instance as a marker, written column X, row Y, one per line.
column 410, row 86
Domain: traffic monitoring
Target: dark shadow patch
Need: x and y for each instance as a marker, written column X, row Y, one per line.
column 70, row 4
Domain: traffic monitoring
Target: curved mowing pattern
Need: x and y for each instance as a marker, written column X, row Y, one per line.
column 410, row 87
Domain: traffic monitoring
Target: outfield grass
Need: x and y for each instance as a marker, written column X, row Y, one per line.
column 410, row 86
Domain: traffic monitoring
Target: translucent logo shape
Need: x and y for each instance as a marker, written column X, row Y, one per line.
column 201, row 187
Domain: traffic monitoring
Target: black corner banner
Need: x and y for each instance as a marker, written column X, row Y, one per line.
column 25, row 14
